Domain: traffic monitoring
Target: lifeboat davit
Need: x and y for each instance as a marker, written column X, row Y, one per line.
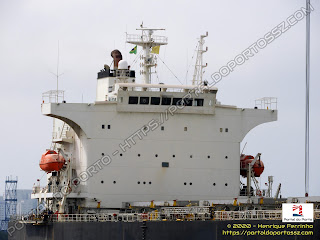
column 257, row 168
column 51, row 161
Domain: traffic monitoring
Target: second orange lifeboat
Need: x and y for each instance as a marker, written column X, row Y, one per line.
column 51, row 161
column 257, row 168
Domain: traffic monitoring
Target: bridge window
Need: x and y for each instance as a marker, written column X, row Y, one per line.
column 187, row 101
column 166, row 101
column 176, row 101
column 155, row 101
column 144, row 100
column 198, row 102
column 133, row 100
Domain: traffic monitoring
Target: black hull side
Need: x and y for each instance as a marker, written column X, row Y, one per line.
column 213, row 230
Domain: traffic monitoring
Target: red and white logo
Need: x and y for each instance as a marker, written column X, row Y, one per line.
column 293, row 212
column 297, row 211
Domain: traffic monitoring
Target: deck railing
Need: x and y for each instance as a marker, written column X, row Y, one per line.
column 159, row 216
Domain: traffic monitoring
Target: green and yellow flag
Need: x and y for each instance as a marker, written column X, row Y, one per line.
column 134, row 50
column 155, row 49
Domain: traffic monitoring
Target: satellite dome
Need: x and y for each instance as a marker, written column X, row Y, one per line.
column 123, row 65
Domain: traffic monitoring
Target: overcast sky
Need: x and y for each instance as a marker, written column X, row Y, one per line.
column 89, row 30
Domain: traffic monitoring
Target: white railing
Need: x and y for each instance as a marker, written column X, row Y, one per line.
column 249, row 215
column 157, row 216
column 267, row 103
column 53, row 96
column 185, row 210
column 129, row 217
column 254, row 215
column 145, row 38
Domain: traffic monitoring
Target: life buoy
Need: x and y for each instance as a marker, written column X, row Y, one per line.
column 259, row 193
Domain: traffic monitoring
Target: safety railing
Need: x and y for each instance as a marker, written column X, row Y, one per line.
column 249, row 215
column 159, row 216
column 136, row 38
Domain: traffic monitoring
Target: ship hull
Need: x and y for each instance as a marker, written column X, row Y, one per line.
column 213, row 230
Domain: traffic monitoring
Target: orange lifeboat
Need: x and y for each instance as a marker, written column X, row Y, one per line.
column 257, row 168
column 51, row 161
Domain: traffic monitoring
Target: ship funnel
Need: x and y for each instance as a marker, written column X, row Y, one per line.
column 117, row 56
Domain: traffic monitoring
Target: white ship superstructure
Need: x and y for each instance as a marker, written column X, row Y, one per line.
column 143, row 142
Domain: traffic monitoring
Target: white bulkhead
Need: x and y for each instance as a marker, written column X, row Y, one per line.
column 147, row 142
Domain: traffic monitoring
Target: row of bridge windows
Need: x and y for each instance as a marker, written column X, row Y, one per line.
column 166, row 101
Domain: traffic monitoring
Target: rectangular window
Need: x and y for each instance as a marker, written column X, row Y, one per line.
column 185, row 129
column 133, row 100
column 155, row 101
column 162, row 128
column 221, row 129
column 187, row 101
column 109, row 126
column 166, row 101
column 102, row 126
column 176, row 101
column 144, row 100
column 227, row 130
column 165, row 164
column 198, row 102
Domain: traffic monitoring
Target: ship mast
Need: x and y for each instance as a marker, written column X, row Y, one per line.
column 198, row 69
column 147, row 40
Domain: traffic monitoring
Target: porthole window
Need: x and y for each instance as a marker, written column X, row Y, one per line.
column 120, row 154
column 226, row 184
column 114, row 182
column 102, row 181
column 214, row 184
column 149, row 182
column 139, row 155
column 102, row 154
column 190, row 156
column 190, row 183
column 138, row 182
column 144, row 182
column 174, row 156
column 208, row 156
column 185, row 183
column 226, row 157
column 156, row 155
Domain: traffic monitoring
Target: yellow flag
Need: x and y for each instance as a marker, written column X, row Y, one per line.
column 155, row 49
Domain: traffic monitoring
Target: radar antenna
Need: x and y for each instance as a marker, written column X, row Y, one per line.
column 147, row 40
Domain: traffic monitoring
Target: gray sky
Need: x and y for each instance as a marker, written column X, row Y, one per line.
column 89, row 30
